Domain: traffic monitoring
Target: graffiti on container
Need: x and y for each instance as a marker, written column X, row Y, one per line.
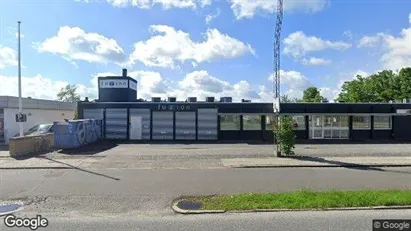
column 87, row 131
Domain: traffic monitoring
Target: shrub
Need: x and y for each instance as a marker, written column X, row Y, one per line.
column 286, row 136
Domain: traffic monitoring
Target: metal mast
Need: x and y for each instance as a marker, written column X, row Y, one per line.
column 277, row 68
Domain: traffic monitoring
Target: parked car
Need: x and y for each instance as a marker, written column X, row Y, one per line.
column 38, row 129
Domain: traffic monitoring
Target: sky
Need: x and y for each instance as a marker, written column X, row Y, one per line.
column 201, row 48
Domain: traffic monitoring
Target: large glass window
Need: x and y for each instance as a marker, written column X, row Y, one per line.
column 328, row 127
column 382, row 122
column 251, row 122
column 361, row 122
column 299, row 122
column 229, row 122
column 270, row 122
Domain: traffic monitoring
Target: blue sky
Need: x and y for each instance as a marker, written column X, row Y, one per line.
column 179, row 53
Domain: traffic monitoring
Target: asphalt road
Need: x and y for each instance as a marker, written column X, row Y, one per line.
column 142, row 192
column 304, row 221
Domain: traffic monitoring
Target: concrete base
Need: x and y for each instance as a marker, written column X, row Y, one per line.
column 27, row 145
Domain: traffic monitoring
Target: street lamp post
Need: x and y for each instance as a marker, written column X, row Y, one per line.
column 19, row 79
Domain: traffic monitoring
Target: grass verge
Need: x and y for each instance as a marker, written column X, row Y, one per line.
column 305, row 199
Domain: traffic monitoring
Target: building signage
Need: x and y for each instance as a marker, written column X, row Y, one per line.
column 132, row 85
column 114, row 83
column 174, row 107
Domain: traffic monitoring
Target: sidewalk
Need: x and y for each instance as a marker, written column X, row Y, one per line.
column 307, row 161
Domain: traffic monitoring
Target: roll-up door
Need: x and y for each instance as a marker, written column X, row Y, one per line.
column 93, row 114
column 207, row 124
column 185, row 126
column 116, row 123
column 145, row 115
column 163, row 125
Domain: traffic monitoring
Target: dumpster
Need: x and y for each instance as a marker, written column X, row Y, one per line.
column 77, row 133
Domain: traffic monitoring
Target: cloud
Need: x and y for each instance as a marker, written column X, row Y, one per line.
column 147, row 4
column 8, row 57
column 409, row 18
column 371, row 41
column 396, row 50
column 298, row 44
column 73, row 43
column 210, row 17
column 169, row 46
column 36, row 86
column 316, row 61
column 247, row 9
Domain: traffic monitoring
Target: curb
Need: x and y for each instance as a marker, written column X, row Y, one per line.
column 183, row 211
column 324, row 166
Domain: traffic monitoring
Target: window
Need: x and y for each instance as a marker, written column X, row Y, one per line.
column 251, row 122
column 361, row 122
column 382, row 122
column 270, row 122
column 229, row 122
column 299, row 122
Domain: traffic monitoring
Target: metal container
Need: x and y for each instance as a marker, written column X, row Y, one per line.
column 77, row 133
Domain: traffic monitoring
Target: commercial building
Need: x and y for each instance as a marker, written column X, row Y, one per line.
column 126, row 117
column 37, row 111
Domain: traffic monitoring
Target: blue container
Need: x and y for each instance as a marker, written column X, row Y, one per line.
column 77, row 133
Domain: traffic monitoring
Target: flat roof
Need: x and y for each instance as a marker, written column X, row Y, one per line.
column 30, row 103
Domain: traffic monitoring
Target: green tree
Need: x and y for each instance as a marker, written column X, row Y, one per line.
column 287, row 99
column 380, row 87
column 68, row 94
column 312, row 95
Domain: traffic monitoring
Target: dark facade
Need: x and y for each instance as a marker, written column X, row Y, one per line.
column 325, row 122
column 124, row 117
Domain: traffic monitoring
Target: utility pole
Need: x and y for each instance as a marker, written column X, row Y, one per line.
column 277, row 69
column 19, row 77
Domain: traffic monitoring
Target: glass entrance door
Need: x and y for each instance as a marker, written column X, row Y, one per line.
column 317, row 130
column 328, row 127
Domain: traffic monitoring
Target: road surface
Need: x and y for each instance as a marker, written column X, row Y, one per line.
column 304, row 221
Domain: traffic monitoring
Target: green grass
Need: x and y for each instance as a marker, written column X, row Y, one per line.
column 305, row 199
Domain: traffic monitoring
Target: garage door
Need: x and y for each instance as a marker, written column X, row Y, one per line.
column 163, row 125
column 185, row 125
column 145, row 115
column 207, row 124
column 93, row 114
column 116, row 123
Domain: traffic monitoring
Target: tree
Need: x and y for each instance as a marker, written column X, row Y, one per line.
column 287, row 99
column 312, row 95
column 380, row 87
column 68, row 94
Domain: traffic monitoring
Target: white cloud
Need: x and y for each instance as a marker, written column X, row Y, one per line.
column 210, row 17
column 169, row 46
column 316, row 61
column 247, row 8
column 21, row 35
column 396, row 49
column 73, row 43
column 371, row 41
column 166, row 4
column 8, row 57
column 298, row 45
column 409, row 18
column 36, row 86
